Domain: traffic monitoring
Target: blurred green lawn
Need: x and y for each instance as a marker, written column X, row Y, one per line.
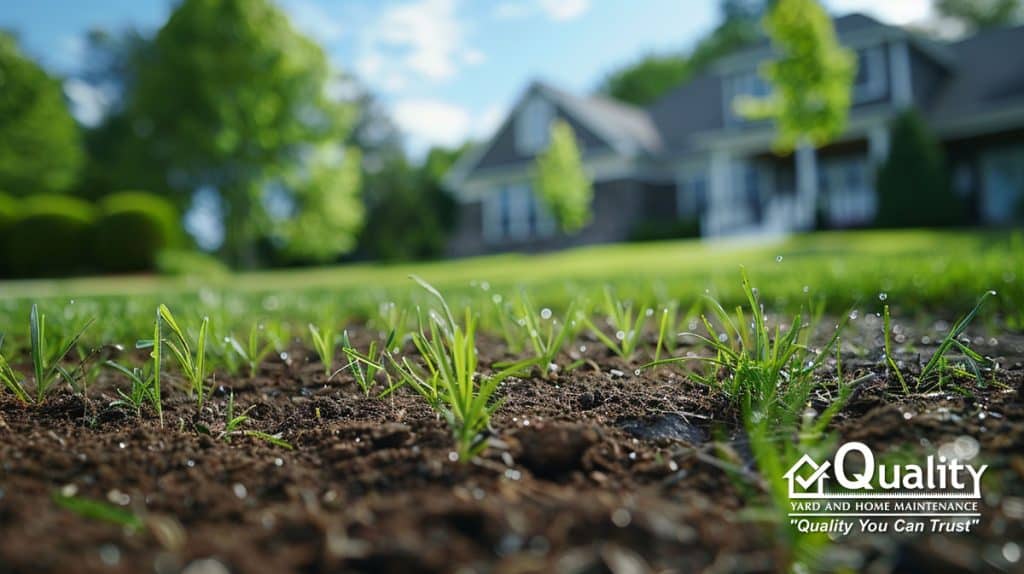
column 943, row 271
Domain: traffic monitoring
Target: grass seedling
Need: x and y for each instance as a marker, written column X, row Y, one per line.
column 99, row 510
column 890, row 361
column 364, row 368
column 258, row 345
column 545, row 334
column 191, row 362
column 11, row 379
column 233, row 426
column 452, row 386
column 324, row 342
column 45, row 365
column 752, row 362
column 627, row 324
column 952, row 340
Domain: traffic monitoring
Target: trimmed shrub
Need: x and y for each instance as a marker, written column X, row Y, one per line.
column 191, row 264
column 665, row 230
column 132, row 228
column 49, row 236
column 8, row 211
column 913, row 185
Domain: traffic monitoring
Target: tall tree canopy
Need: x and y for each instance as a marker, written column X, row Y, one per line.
column 233, row 98
column 560, row 182
column 40, row 150
column 644, row 81
column 812, row 77
column 978, row 14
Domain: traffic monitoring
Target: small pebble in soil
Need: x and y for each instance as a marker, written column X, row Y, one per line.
column 110, row 554
column 206, row 566
column 278, row 462
column 513, row 474
column 68, row 490
column 621, row 517
column 453, row 456
column 1011, row 552
column 115, row 496
column 240, row 490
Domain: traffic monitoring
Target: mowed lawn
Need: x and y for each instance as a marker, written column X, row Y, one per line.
column 912, row 270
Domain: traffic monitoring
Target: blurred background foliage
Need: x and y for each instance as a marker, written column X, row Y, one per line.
column 228, row 108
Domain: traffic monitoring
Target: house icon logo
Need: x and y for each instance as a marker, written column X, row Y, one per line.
column 807, row 478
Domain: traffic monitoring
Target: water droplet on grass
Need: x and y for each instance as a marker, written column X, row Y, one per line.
column 778, row 259
column 453, row 456
column 883, row 296
column 620, row 335
column 637, row 372
column 854, row 314
column 545, row 313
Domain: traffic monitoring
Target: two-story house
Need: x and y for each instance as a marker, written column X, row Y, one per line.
column 689, row 156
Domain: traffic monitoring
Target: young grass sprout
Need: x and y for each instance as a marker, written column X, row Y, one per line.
column 257, row 346
column 627, row 323
column 46, row 366
column 453, row 386
column 323, row 342
column 191, row 362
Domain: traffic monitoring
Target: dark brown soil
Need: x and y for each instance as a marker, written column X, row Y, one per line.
column 599, row 470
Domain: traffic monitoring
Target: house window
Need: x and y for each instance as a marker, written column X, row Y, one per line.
column 533, row 125
column 869, row 85
column 748, row 84
column 692, row 194
column 513, row 212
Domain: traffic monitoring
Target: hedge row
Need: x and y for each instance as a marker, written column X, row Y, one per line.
column 53, row 235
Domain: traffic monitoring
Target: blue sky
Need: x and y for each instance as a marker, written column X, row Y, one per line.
column 447, row 69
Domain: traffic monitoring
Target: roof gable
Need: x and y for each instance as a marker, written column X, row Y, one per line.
column 600, row 125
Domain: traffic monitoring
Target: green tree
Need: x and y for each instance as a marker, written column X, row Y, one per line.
column 560, row 182
column 913, row 184
column 40, row 150
column 642, row 82
column 328, row 209
column 979, row 14
column 412, row 199
column 811, row 79
column 233, row 98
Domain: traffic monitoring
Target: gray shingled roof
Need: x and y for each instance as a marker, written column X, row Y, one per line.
column 620, row 123
column 988, row 72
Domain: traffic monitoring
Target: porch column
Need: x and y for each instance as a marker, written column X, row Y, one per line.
column 806, row 185
column 719, row 193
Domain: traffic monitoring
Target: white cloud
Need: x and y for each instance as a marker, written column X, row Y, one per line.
column 424, row 38
column 899, row 12
column 311, row 18
column 88, row 103
column 431, row 122
column 488, row 122
column 562, row 10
